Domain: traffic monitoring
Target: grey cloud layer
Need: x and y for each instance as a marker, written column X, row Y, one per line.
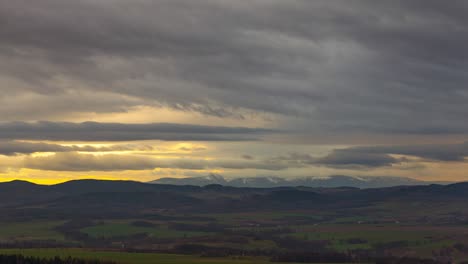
column 11, row 148
column 86, row 162
column 93, row 131
column 340, row 66
column 347, row 158
column 439, row 152
column 379, row 156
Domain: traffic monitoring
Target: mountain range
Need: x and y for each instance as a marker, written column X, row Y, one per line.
column 98, row 199
column 270, row 182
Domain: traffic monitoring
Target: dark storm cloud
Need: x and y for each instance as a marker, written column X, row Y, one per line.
column 381, row 67
column 93, row 131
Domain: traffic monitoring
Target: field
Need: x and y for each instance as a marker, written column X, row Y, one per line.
column 239, row 232
column 36, row 230
column 122, row 229
column 143, row 223
column 365, row 236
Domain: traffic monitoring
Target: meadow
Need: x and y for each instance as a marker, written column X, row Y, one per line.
column 122, row 229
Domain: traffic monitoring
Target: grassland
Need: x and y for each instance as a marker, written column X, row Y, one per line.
column 340, row 236
column 109, row 230
column 422, row 239
column 41, row 230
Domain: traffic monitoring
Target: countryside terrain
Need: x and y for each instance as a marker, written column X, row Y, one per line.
column 133, row 222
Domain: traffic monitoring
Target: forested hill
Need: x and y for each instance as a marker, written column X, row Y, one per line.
column 127, row 198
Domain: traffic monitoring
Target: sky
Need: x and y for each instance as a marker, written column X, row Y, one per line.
column 139, row 90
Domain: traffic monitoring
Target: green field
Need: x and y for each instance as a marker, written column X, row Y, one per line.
column 31, row 231
column 126, row 229
column 418, row 238
column 423, row 238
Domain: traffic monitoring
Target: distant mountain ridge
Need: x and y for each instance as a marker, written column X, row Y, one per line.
column 271, row 182
column 21, row 200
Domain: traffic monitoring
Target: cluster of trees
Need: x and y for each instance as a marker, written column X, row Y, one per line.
column 211, row 227
column 313, row 257
column 20, row 259
column 336, row 257
column 71, row 229
column 210, row 251
column 143, row 224
column 37, row 244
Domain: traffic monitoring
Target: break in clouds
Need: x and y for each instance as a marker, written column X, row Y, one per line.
column 309, row 69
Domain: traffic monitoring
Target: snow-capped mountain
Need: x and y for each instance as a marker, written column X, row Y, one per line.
column 269, row 182
column 197, row 181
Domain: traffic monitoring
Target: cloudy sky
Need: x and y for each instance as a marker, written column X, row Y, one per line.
column 141, row 89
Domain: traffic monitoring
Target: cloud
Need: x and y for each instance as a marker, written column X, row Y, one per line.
column 247, row 157
column 192, row 148
column 11, row 148
column 88, row 162
column 350, row 159
column 93, row 131
column 374, row 157
column 8, row 164
column 380, row 156
column 435, row 152
column 72, row 161
column 368, row 67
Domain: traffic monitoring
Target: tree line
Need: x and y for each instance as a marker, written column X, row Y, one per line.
column 20, row 259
